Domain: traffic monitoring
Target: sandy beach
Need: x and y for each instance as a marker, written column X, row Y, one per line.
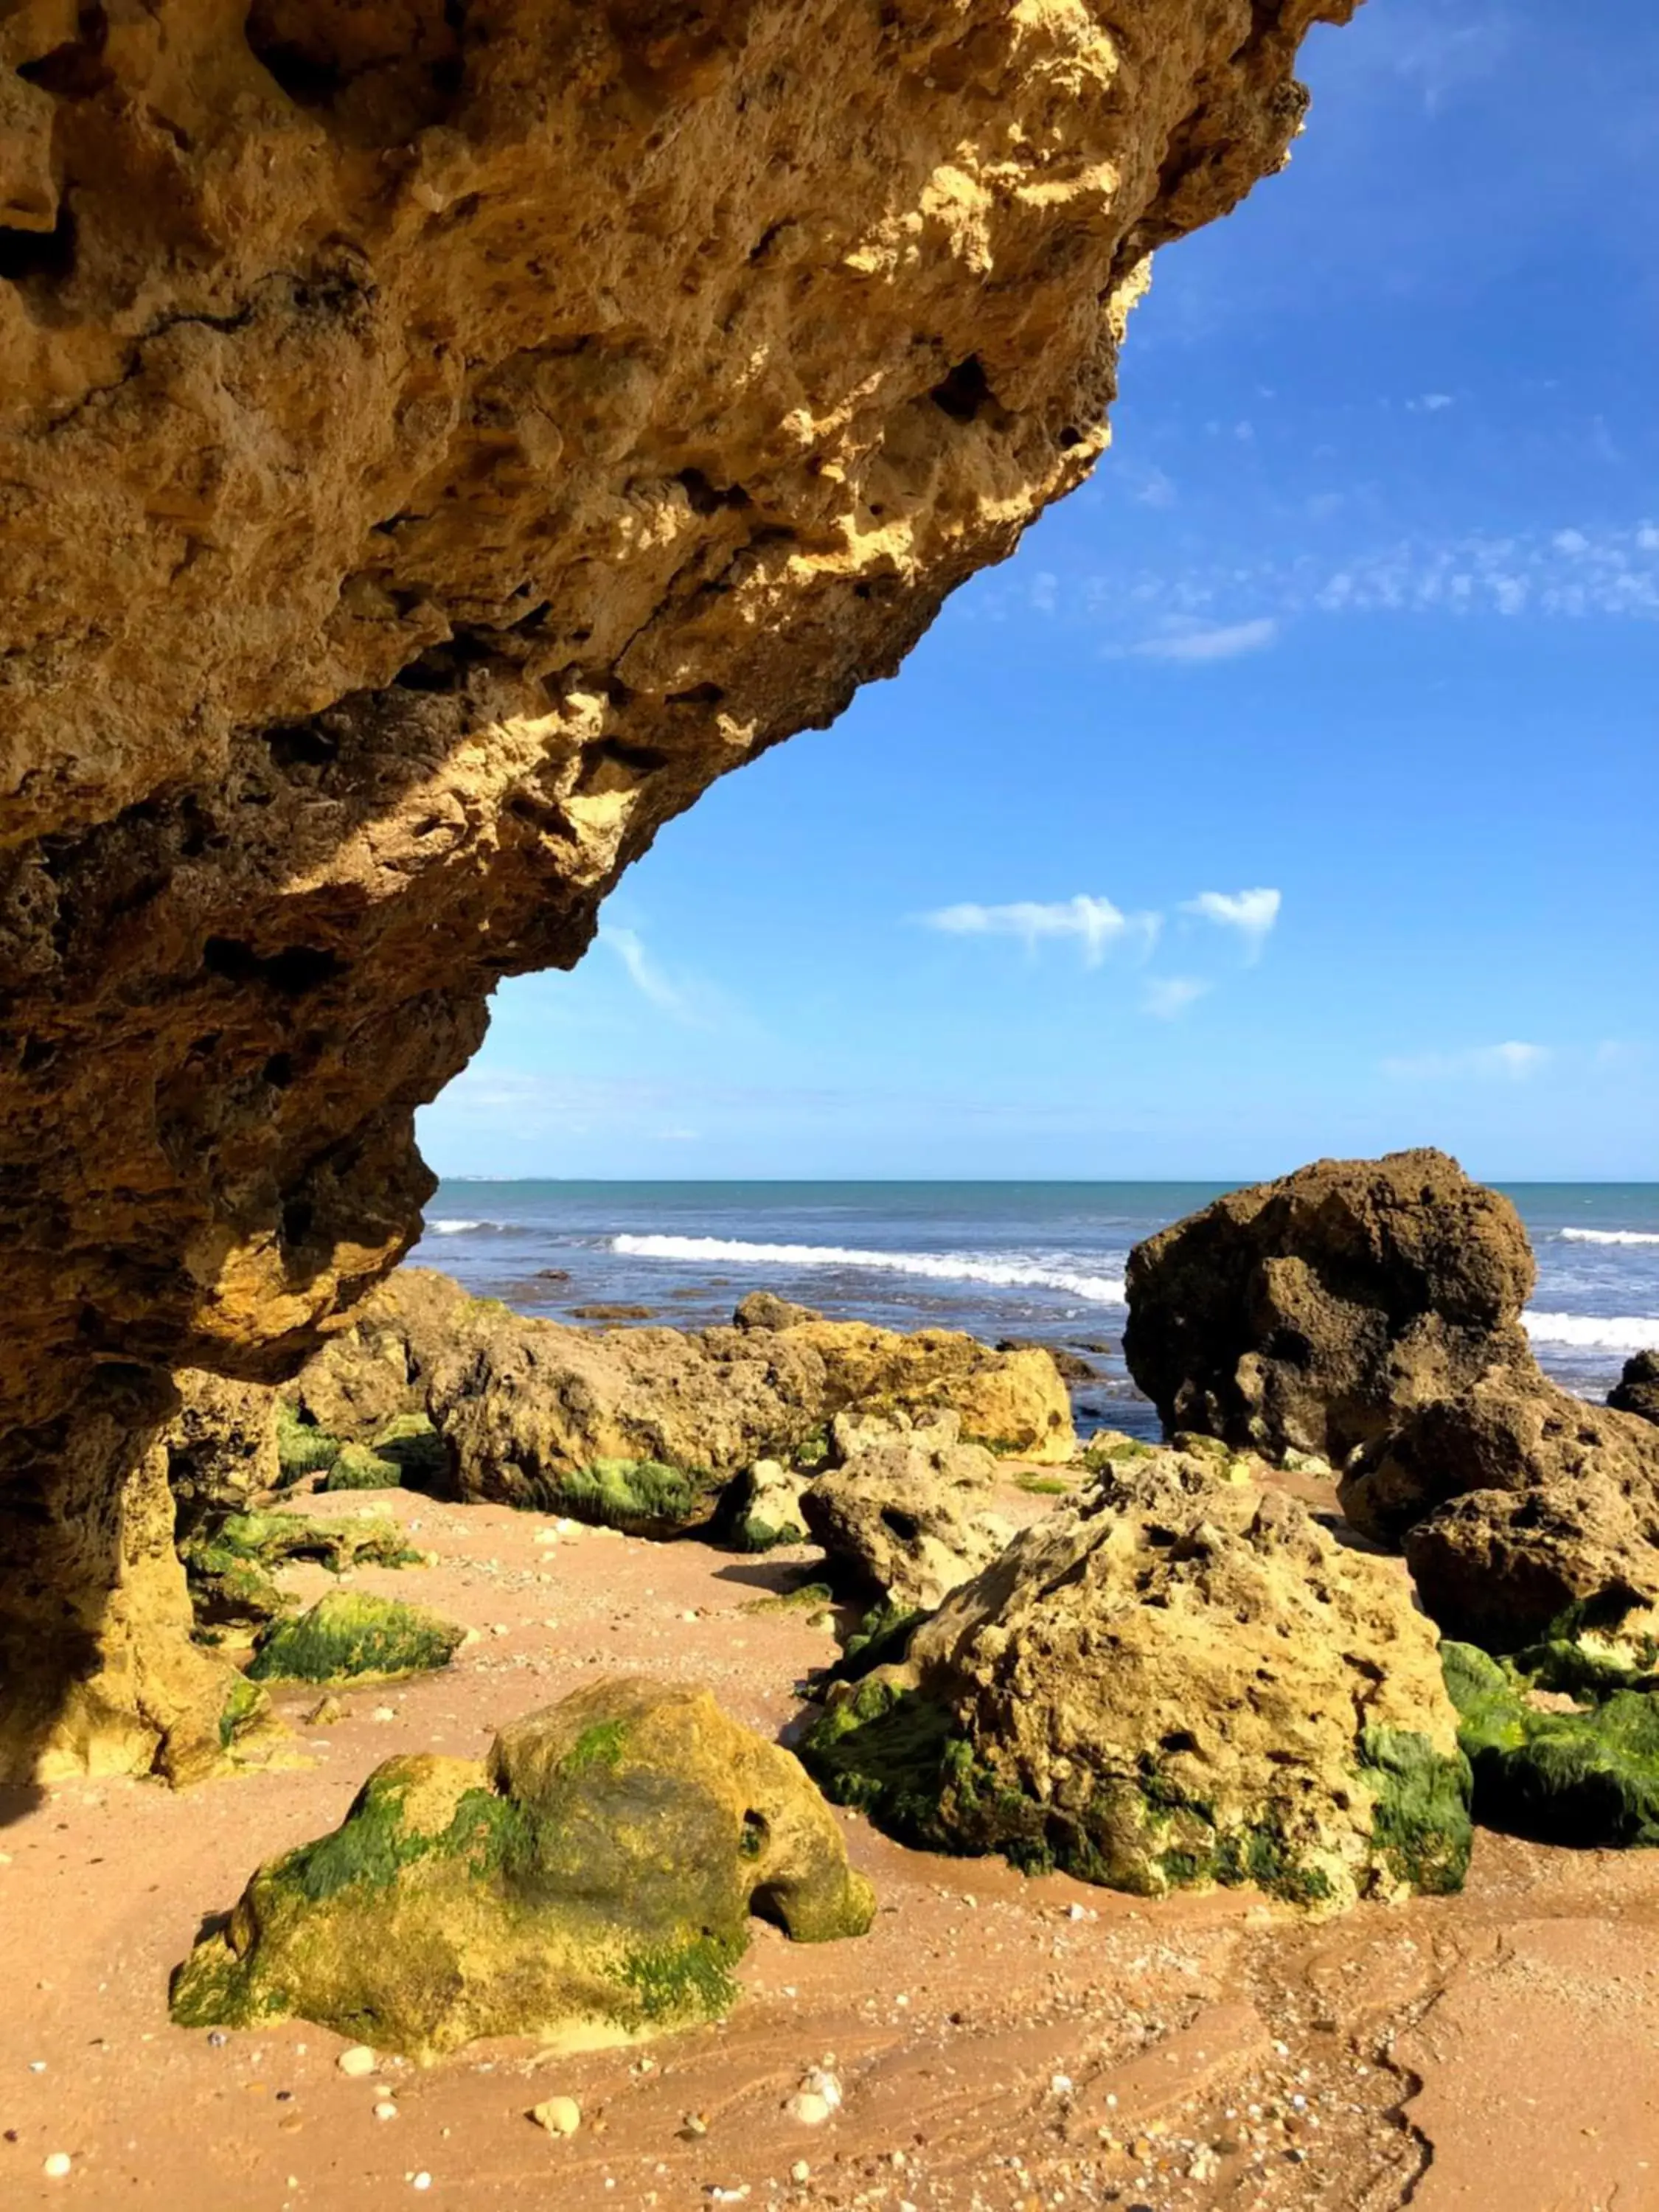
column 999, row 2042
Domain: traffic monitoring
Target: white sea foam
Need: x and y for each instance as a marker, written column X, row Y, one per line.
column 940, row 1266
column 456, row 1228
column 1606, row 1332
column 1610, row 1235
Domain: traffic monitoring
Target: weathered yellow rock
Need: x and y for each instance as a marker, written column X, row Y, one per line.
column 592, row 1883
column 641, row 1426
column 1180, row 1679
column 432, row 458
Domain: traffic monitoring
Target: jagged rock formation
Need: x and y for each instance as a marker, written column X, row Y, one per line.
column 1518, row 1506
column 643, row 1427
column 435, row 444
column 593, row 1879
column 906, row 1516
column 1315, row 1312
column 1180, row 1679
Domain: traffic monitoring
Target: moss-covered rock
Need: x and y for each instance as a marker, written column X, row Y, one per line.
column 593, row 1880
column 643, row 1496
column 349, row 1634
column 408, row 1452
column 229, row 1566
column 1181, row 1679
column 1586, row 1776
column 761, row 1508
column 302, row 1447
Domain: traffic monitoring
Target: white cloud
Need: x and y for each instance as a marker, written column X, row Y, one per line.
column 1042, row 593
column 1096, row 923
column 1512, row 1061
column 1156, row 489
column 687, row 1000
column 1168, row 997
column 1252, row 914
column 1226, row 642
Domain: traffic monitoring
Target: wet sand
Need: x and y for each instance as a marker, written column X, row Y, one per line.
column 1001, row 2043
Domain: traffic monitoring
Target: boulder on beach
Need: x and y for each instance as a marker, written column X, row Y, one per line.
column 1636, row 1390
column 1312, row 1312
column 352, row 1636
column 592, row 1881
column 905, row 1516
column 1521, row 1509
column 1562, row 1742
column 228, row 1565
column 1182, row 1679
column 644, row 1427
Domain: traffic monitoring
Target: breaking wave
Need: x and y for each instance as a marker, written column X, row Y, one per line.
column 939, row 1267
column 1610, row 1235
column 1609, row 1333
column 455, row 1228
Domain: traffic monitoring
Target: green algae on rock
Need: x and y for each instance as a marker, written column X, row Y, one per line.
column 350, row 1635
column 592, row 1881
column 1587, row 1775
column 228, row 1566
column 1180, row 1679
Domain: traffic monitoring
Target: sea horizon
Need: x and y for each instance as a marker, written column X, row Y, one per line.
column 1006, row 1258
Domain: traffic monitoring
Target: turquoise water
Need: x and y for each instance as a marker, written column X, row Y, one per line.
column 1038, row 1259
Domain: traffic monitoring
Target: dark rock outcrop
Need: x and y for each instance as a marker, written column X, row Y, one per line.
column 1636, row 1390
column 1518, row 1507
column 1313, row 1312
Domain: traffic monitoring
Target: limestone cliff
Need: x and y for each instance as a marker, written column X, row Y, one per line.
column 436, row 440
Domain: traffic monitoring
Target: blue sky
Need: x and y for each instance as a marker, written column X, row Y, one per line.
column 1361, row 610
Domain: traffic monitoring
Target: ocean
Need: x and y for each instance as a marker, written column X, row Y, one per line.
column 1042, row 1262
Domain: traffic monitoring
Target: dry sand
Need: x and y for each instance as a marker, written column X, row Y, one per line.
column 1001, row 2043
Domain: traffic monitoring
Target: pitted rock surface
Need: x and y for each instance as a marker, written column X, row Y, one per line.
column 1312, row 1313
column 435, row 446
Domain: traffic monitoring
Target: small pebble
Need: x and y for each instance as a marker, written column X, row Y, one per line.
column 386, row 2110
column 800, row 2171
column 422, row 2180
column 217, row 2039
column 358, row 2059
column 57, row 2166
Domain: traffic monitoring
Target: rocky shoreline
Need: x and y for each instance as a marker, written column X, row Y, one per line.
column 1208, row 1676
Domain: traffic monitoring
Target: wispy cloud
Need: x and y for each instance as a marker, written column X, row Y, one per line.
column 1251, row 913
column 685, row 998
column 1512, row 1061
column 1224, row 642
column 1168, row 997
column 1096, row 923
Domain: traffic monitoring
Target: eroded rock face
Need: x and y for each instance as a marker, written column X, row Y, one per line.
column 593, row 1879
column 433, row 449
column 643, row 1426
column 1315, row 1312
column 1180, row 1679
column 1517, row 1505
column 907, row 1515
